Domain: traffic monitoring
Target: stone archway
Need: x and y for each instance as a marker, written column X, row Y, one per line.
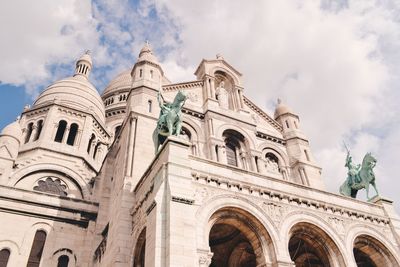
column 310, row 246
column 237, row 239
column 369, row 252
column 140, row 250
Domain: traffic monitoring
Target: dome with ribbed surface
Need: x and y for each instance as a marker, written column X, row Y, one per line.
column 121, row 82
column 13, row 130
column 75, row 92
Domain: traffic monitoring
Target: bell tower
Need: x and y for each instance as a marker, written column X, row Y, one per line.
column 302, row 162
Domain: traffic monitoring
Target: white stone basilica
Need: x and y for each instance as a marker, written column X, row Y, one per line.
column 80, row 184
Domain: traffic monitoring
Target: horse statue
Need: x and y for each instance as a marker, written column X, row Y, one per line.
column 170, row 118
column 359, row 177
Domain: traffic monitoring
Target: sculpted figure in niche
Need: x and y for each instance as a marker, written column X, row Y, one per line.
column 222, row 95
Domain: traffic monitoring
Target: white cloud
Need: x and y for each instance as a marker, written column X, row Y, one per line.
column 37, row 36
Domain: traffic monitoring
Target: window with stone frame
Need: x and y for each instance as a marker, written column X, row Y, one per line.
column 51, row 185
column 63, row 261
column 37, row 249
column 4, row 256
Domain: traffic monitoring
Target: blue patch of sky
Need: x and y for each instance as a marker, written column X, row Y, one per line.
column 12, row 102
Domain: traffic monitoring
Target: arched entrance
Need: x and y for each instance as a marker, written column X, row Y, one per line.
column 369, row 252
column 237, row 239
column 140, row 250
column 310, row 246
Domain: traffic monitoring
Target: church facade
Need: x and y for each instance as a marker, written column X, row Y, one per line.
column 81, row 184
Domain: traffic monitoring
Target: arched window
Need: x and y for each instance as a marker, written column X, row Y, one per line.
column 4, row 255
column 306, row 154
column 73, row 131
column 38, row 130
column 287, row 124
column 29, row 132
column 96, row 150
column 233, row 141
column 149, row 105
column 37, row 249
column 90, row 143
column 62, row 126
column 117, row 129
column 151, row 74
column 140, row 73
column 63, row 261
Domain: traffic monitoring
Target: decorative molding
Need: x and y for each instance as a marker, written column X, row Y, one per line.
column 182, row 200
column 179, row 86
column 262, row 114
column 270, row 138
column 281, row 197
column 151, row 207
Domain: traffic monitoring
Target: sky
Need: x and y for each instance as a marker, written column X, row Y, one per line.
column 335, row 63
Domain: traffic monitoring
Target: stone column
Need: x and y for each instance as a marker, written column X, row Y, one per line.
column 261, row 165
column 33, row 134
column 66, row 133
column 212, row 89
column 240, row 90
column 254, row 162
column 222, row 154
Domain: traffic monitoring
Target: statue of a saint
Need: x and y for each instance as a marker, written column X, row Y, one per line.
column 170, row 118
column 271, row 165
column 222, row 95
column 352, row 170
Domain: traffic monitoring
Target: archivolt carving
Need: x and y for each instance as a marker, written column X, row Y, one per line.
column 275, row 211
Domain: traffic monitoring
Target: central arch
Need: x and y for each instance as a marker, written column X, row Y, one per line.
column 309, row 245
column 238, row 239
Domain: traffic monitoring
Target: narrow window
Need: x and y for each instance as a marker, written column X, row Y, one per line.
column 4, row 255
column 287, row 124
column 37, row 249
column 307, row 156
column 73, row 131
column 295, row 124
column 63, row 261
column 140, row 72
column 124, row 97
column 149, row 104
column 216, row 153
column 112, row 100
column 90, row 143
column 96, row 150
column 39, row 129
column 120, row 98
column 29, row 132
column 151, row 74
column 231, row 154
column 62, row 126
column 117, row 129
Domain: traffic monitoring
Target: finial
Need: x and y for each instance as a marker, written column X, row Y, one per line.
column 279, row 101
column 147, row 42
column 18, row 118
column 87, row 52
column 219, row 56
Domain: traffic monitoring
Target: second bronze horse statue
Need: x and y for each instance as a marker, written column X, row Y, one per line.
column 170, row 118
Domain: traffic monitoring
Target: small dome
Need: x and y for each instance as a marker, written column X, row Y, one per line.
column 146, row 54
column 281, row 109
column 121, row 82
column 13, row 130
column 86, row 57
column 76, row 92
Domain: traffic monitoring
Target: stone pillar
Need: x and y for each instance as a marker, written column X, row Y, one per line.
column 391, row 213
column 222, row 154
column 261, row 165
column 254, row 162
column 212, row 89
column 240, row 90
column 210, row 126
column 66, row 133
column 33, row 134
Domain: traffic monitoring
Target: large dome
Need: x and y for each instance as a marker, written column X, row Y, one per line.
column 75, row 92
column 121, row 82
